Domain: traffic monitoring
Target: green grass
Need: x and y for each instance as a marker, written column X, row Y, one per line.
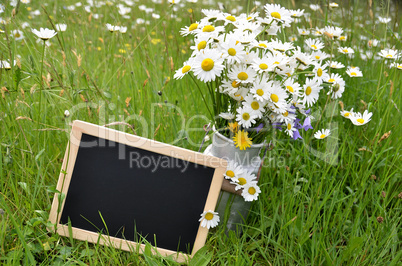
column 310, row 211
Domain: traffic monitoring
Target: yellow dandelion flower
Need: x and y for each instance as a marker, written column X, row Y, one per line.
column 241, row 140
column 233, row 127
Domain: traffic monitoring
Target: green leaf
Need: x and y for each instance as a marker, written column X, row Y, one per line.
column 201, row 258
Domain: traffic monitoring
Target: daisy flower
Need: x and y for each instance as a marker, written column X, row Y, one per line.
column 384, row 20
column 251, row 191
column 17, row 34
column 44, row 34
column 233, row 171
column 319, row 55
column 208, row 64
column 242, row 141
column 277, row 97
column 209, row 219
column 347, row 114
column 397, row 65
column 314, row 7
column 246, row 178
column 354, row 72
column 185, row 69
column 189, row 29
column 245, row 116
column 112, row 28
column 336, row 65
column 333, row 32
column 321, row 134
column 279, row 13
column 389, row 54
column 290, row 129
column 256, row 106
column 320, row 70
column 260, row 64
column 233, row 50
column 242, row 73
column 61, row 27
column 292, row 86
column 303, row 32
column 359, row 119
column 260, row 91
column 346, row 50
column 229, row 86
column 311, row 91
column 314, row 44
column 297, row 13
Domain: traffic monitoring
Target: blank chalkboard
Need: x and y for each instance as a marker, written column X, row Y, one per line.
column 125, row 188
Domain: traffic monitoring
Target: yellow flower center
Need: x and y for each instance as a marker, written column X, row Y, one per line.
column 353, row 74
column 185, row 69
column 345, row 50
column 248, row 18
column 201, row 45
column 17, row 35
column 263, row 66
column 285, row 114
column 209, row 216
column 193, row 26
column 331, row 80
column 290, row 88
column 289, row 126
column 207, row 64
column 232, row 51
column 251, row 191
column 276, row 15
column 230, row 173
column 314, row 46
column 322, row 136
column 235, row 84
column 389, row 56
column 255, row 105
column 308, row 90
column 246, row 116
column 276, row 63
column 346, row 114
column 208, row 28
column 262, row 45
column 274, row 98
column 231, row 18
column 242, row 181
column 317, row 57
column 360, row 120
column 342, row 38
column 242, row 76
column 319, row 72
column 260, row 92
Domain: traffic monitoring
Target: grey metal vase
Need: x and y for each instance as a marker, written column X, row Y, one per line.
column 232, row 208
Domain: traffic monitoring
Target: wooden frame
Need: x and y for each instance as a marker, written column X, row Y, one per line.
column 80, row 127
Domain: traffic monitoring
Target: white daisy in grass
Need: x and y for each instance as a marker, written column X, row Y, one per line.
column 347, row 114
column 261, row 65
column 384, row 20
column 289, row 116
column 245, row 116
column 233, row 51
column 389, row 54
column 303, row 32
column 246, row 178
column 227, row 116
column 303, row 60
column 209, row 219
column 200, row 43
column 319, row 55
column 279, row 13
column 277, row 98
column 333, row 78
column 290, row 128
column 44, row 34
column 208, row 64
column 322, row 134
column 333, row 5
column 256, row 106
column 260, row 90
column 210, row 30
column 397, row 65
column 336, row 65
column 278, row 45
column 333, row 32
column 242, row 73
column 185, row 69
column 189, row 29
column 277, row 60
column 240, row 94
column 297, row 13
column 211, row 15
column 317, row 31
column 251, row 191
column 233, row 171
column 314, row 7
column 112, row 28
column 320, row 70
column 346, row 50
column 292, row 86
column 261, row 44
column 227, row 18
column 311, row 91
column 61, row 27
column 354, row 72
column 314, row 44
column 229, row 86
column 359, row 119
column 17, row 34
column 249, row 58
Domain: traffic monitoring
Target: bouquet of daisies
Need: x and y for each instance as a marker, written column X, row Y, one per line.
column 257, row 82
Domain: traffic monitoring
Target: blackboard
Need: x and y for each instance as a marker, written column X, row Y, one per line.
column 125, row 188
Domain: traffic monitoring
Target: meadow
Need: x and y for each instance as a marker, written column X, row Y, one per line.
column 333, row 201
